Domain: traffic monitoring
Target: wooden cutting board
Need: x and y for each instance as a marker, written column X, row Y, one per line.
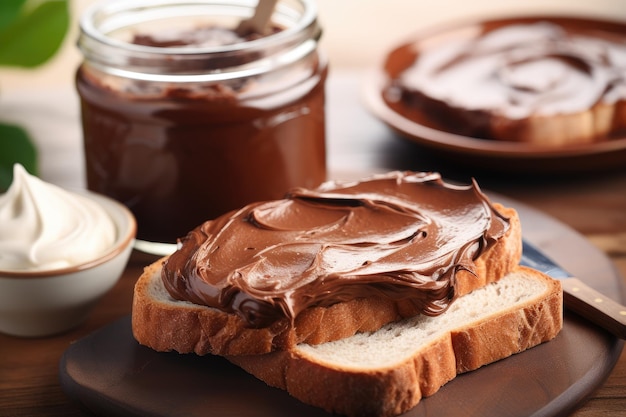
column 110, row 374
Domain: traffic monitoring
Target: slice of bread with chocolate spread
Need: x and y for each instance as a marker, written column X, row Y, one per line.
column 324, row 264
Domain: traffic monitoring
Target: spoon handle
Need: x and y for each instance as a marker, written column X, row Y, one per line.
column 258, row 23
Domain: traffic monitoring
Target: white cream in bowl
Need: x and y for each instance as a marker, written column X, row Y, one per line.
column 44, row 227
column 60, row 252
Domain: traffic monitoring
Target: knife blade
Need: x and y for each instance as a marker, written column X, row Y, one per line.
column 578, row 296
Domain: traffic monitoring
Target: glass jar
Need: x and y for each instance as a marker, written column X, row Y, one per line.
column 182, row 131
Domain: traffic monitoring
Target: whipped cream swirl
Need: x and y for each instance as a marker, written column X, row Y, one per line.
column 44, row 227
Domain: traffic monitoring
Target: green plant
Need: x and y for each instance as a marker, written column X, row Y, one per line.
column 31, row 32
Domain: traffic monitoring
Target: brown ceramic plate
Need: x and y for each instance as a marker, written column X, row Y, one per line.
column 503, row 155
column 110, row 374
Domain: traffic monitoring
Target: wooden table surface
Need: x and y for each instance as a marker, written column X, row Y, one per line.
column 592, row 204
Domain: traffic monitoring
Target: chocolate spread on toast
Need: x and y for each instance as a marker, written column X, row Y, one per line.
column 401, row 235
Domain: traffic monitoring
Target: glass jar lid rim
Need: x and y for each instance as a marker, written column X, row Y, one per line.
column 308, row 19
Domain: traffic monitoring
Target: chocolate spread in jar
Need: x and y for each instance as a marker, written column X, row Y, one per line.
column 488, row 80
column 399, row 235
column 177, row 154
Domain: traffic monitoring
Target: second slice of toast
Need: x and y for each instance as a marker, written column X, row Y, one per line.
column 387, row 372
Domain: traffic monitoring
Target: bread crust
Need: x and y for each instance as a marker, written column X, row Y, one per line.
column 394, row 389
column 596, row 124
column 590, row 126
column 165, row 324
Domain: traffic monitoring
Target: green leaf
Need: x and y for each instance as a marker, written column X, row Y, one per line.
column 35, row 34
column 9, row 11
column 15, row 147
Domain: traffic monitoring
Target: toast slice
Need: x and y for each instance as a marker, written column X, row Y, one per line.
column 599, row 123
column 387, row 372
column 166, row 324
column 544, row 82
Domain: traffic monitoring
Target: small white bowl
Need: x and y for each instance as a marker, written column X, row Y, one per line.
column 42, row 303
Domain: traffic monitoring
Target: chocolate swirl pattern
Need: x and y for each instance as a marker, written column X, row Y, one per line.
column 397, row 235
column 542, row 82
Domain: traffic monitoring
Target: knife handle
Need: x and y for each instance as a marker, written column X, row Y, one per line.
column 594, row 306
